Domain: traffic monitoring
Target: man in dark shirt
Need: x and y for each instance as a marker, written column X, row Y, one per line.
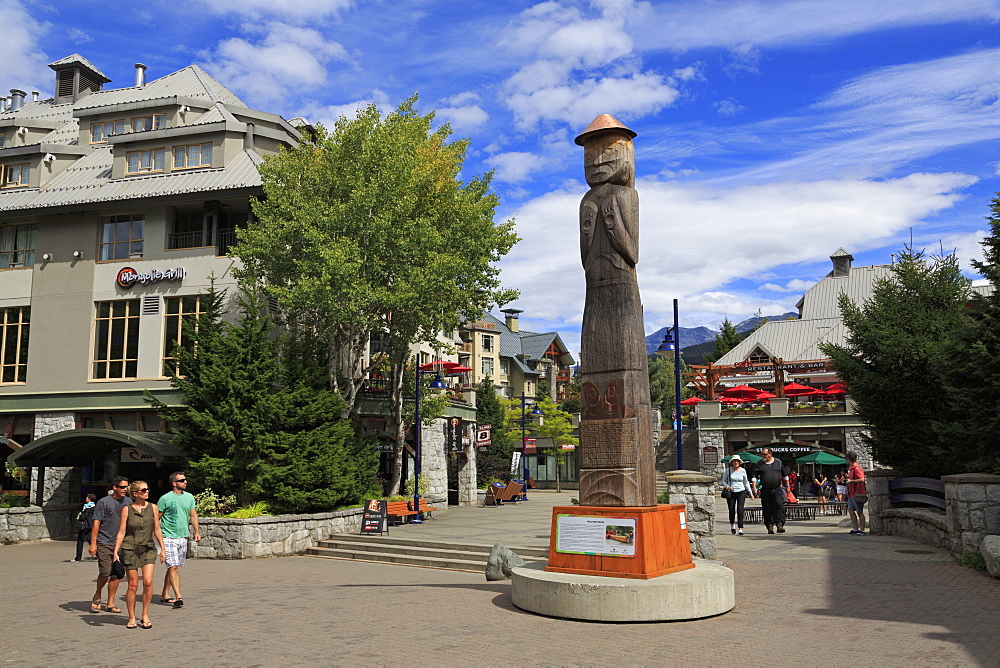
column 772, row 476
column 107, row 520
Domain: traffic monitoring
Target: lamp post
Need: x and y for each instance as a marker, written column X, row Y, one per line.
column 524, row 441
column 672, row 341
column 436, row 384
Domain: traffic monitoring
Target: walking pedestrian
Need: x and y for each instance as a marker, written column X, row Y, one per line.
column 102, row 541
column 84, row 522
column 772, row 475
column 857, row 494
column 135, row 548
column 177, row 509
column 737, row 483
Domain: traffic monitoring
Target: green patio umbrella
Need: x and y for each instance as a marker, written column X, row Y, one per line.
column 822, row 458
column 745, row 456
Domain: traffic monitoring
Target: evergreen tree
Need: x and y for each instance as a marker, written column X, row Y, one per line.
column 727, row 339
column 494, row 464
column 891, row 355
column 571, row 401
column 970, row 369
column 662, row 384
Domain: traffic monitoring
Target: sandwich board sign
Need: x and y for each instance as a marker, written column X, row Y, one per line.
column 374, row 520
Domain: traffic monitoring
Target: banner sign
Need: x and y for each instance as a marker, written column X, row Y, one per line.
column 515, row 462
column 483, row 436
column 374, row 520
column 606, row 536
column 529, row 446
column 128, row 276
column 454, row 429
column 133, row 455
column 790, row 366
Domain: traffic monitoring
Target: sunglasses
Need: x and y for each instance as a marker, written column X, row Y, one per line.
column 121, row 486
column 144, row 489
column 181, row 480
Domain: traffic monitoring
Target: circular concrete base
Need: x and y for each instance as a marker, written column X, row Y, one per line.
column 702, row 591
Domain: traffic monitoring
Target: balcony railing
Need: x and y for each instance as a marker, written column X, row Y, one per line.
column 818, row 407
column 178, row 240
column 745, row 410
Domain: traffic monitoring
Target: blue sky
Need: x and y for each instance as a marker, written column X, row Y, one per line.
column 770, row 133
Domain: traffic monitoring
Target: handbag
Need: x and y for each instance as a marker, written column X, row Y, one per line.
column 860, row 498
column 727, row 493
column 117, row 570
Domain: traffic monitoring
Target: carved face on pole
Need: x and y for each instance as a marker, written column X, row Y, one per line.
column 609, row 157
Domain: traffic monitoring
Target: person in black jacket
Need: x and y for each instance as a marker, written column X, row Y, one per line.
column 84, row 521
column 772, row 476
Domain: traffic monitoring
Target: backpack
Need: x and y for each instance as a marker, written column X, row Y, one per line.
column 85, row 520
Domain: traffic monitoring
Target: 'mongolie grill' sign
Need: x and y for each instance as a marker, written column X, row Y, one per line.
column 128, row 276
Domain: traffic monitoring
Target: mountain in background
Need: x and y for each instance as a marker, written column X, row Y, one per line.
column 696, row 342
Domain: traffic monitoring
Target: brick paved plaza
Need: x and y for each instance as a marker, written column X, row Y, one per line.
column 813, row 595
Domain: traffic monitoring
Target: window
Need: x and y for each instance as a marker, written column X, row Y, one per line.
column 121, row 236
column 99, row 132
column 12, row 176
column 17, row 246
column 179, row 310
column 146, row 123
column 504, row 366
column 758, row 356
column 487, row 365
column 116, row 343
column 487, row 343
column 14, row 343
column 140, row 162
column 3, row 140
column 195, row 155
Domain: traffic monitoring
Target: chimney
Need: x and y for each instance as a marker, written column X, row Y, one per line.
column 16, row 99
column 34, row 96
column 140, row 75
column 248, row 138
column 841, row 263
column 3, row 104
column 511, row 318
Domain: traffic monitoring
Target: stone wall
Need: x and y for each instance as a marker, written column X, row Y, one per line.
column 60, row 485
column 467, row 491
column 716, row 439
column 971, row 515
column 853, row 442
column 278, row 535
column 24, row 525
column 697, row 493
column 433, row 460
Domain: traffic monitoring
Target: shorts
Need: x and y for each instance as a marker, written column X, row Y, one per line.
column 854, row 506
column 176, row 549
column 136, row 557
column 105, row 555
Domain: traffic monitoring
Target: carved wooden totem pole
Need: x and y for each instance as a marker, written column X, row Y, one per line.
column 616, row 446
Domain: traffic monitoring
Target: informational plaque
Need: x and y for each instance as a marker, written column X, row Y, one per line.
column 606, row 536
column 374, row 520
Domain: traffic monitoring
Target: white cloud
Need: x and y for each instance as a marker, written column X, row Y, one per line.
column 24, row 63
column 743, row 58
column 696, row 239
column 729, row 108
column 515, row 166
column 328, row 114
column 287, row 59
column 463, row 112
column 77, row 36
column 293, row 10
column 794, row 285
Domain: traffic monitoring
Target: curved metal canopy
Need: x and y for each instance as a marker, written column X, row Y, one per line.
column 79, row 447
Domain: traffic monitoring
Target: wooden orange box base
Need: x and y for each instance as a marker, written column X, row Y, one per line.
column 661, row 543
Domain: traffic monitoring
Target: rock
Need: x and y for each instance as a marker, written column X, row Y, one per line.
column 501, row 563
column 990, row 549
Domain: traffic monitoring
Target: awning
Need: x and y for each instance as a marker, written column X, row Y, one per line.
column 79, row 447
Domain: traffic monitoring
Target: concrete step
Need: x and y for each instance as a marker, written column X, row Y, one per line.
column 415, row 552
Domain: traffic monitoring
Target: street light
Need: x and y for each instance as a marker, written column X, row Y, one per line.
column 436, row 384
column 524, row 441
column 672, row 342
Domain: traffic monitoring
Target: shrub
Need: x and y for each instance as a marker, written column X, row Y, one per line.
column 13, row 501
column 408, row 486
column 209, row 504
column 972, row 560
column 664, row 497
column 253, row 510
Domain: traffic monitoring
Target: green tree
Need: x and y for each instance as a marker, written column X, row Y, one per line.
column 495, row 462
column 367, row 228
column 571, row 402
column 893, row 347
column 557, row 427
column 727, row 339
column 970, row 370
column 662, row 384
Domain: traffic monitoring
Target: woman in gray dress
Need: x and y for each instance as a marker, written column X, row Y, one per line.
column 134, row 547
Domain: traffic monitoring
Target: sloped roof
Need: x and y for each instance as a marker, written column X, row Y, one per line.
column 820, row 301
column 77, row 59
column 789, row 340
column 191, row 81
column 525, row 348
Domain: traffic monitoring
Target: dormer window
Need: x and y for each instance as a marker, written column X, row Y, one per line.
column 3, row 140
column 758, row 356
column 140, row 162
column 99, row 132
column 13, row 176
column 189, row 157
column 147, row 123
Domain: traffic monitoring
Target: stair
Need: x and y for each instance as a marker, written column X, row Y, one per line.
column 416, row 552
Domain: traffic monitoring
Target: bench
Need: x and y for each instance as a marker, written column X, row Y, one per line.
column 492, row 493
column 423, row 508
column 512, row 493
column 400, row 509
column 920, row 484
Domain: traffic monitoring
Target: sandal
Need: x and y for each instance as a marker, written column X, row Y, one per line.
column 145, row 625
column 95, row 606
column 167, row 601
column 113, row 608
column 132, row 625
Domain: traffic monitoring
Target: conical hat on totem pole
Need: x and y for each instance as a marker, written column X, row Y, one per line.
column 603, row 123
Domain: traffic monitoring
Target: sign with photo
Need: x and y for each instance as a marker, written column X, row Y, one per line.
column 596, row 535
column 374, row 520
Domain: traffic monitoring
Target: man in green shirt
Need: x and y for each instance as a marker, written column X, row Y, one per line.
column 176, row 510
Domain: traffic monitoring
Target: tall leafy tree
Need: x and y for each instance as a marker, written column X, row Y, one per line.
column 891, row 354
column 970, row 370
column 557, row 427
column 495, row 462
column 725, row 340
column 368, row 228
column 662, row 384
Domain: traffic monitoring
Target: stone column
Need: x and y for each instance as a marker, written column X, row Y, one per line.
column 433, row 460
column 467, row 490
column 709, row 409
column 697, row 493
column 877, row 482
column 61, row 485
column 973, row 509
column 779, row 406
column 853, row 442
column 715, row 439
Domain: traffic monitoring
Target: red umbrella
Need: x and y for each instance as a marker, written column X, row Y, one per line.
column 455, row 370
column 691, row 401
column 766, row 396
column 732, row 400
column 834, row 390
column 438, row 364
column 796, row 390
column 744, row 392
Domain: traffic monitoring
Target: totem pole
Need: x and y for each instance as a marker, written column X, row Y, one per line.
column 616, row 446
